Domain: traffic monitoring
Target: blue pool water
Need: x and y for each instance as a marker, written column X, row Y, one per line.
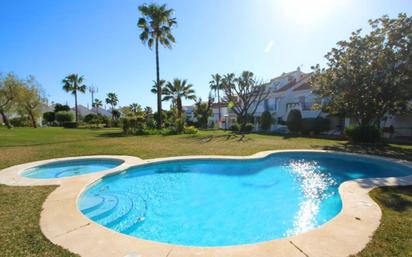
column 228, row 202
column 70, row 168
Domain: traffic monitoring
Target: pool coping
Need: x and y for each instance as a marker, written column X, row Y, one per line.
column 63, row 224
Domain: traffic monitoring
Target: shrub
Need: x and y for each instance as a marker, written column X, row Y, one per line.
column 133, row 125
column 247, row 128
column 91, row 118
column 168, row 132
column 266, row 120
column 20, row 122
column 150, row 123
column 69, row 124
column 49, row 117
column 235, row 127
column 179, row 125
column 294, row 121
column 314, row 125
column 363, row 134
column 190, row 130
column 64, row 116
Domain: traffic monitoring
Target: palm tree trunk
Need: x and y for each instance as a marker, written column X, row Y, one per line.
column 179, row 107
column 75, row 106
column 5, row 119
column 218, row 102
column 159, row 89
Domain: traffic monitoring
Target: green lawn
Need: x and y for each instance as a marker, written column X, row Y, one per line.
column 20, row 234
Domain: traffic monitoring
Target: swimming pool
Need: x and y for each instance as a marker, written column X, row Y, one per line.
column 221, row 202
column 68, row 168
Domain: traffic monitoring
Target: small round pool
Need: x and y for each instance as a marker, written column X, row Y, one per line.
column 69, row 168
column 218, row 202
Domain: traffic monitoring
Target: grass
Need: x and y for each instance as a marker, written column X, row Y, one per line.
column 394, row 235
column 20, row 234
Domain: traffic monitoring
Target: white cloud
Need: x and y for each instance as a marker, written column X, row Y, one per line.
column 269, row 46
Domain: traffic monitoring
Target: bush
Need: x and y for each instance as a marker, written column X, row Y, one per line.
column 266, row 120
column 64, row 116
column 363, row 134
column 294, row 121
column 314, row 125
column 69, row 124
column 179, row 125
column 168, row 132
column 150, row 123
column 91, row 118
column 235, row 127
column 133, row 126
column 20, row 122
column 48, row 117
column 247, row 128
column 190, row 130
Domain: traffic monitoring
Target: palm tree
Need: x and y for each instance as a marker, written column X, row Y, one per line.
column 177, row 90
column 156, row 25
column 154, row 87
column 97, row 104
column 74, row 83
column 113, row 101
column 216, row 85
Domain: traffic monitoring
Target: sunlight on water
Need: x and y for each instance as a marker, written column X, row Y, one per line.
column 314, row 185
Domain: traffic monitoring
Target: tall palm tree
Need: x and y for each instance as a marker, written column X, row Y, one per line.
column 177, row 90
column 97, row 104
column 74, row 83
column 113, row 101
column 216, row 86
column 156, row 25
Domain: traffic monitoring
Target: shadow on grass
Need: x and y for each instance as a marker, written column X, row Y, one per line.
column 374, row 149
column 236, row 137
column 113, row 134
column 396, row 198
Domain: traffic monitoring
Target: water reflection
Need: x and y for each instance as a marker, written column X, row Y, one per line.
column 315, row 186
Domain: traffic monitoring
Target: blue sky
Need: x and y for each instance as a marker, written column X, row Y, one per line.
column 99, row 39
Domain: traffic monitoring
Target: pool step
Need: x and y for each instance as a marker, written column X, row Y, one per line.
column 110, row 203
column 96, row 205
column 124, row 207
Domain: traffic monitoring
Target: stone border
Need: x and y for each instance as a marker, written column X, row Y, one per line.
column 63, row 224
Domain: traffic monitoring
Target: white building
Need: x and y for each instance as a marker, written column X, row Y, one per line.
column 227, row 116
column 292, row 91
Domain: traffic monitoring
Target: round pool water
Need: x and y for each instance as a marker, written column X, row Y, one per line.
column 70, row 168
column 218, row 202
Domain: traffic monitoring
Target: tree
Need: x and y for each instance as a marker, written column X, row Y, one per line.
column 113, row 101
column 29, row 99
column 266, row 120
column 156, row 25
column 8, row 91
column 61, row 107
column 177, row 90
column 154, row 87
column 136, row 108
column 244, row 95
column 216, row 86
column 294, row 121
column 203, row 110
column 74, row 83
column 97, row 104
column 369, row 75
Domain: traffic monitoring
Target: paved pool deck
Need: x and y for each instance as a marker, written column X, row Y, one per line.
column 63, row 224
